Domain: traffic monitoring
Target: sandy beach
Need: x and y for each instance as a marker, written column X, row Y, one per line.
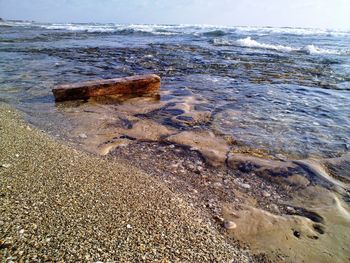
column 61, row 204
column 159, row 202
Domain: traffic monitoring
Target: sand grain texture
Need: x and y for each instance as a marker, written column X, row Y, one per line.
column 60, row 204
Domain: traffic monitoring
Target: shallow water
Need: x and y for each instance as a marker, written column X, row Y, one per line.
column 283, row 90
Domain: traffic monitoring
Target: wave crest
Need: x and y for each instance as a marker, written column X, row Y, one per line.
column 251, row 43
column 312, row 49
column 112, row 28
column 248, row 42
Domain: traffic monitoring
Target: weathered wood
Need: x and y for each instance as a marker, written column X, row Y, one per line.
column 141, row 84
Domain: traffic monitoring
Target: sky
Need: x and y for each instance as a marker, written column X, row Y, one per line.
column 293, row 13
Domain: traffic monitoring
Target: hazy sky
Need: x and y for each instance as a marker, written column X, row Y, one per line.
column 302, row 13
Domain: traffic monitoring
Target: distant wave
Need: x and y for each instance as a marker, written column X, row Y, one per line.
column 207, row 30
column 292, row 31
column 251, row 43
column 111, row 28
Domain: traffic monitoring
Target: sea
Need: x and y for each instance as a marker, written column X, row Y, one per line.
column 279, row 89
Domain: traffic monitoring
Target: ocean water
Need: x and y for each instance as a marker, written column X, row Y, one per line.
column 283, row 90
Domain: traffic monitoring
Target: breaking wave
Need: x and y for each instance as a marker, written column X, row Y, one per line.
column 251, row 43
column 292, row 31
column 248, row 42
column 312, row 49
column 206, row 30
column 113, row 28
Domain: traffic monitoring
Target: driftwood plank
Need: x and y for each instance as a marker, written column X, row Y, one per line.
column 140, row 84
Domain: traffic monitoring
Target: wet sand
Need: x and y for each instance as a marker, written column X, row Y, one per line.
column 62, row 204
column 273, row 207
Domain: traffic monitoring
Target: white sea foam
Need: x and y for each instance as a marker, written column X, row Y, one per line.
column 292, row 31
column 248, row 42
column 312, row 49
column 77, row 27
column 184, row 28
column 204, row 30
column 101, row 28
column 251, row 43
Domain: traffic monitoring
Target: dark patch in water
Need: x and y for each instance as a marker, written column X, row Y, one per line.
column 173, row 112
column 126, row 123
column 215, row 33
column 173, row 124
column 184, row 118
column 42, row 99
column 181, row 92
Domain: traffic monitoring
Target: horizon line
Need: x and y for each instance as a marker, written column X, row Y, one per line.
column 173, row 24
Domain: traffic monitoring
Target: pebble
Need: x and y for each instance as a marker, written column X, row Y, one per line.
column 191, row 167
column 229, row 225
column 199, row 169
column 246, row 186
column 83, row 135
column 6, row 165
column 219, row 218
column 128, row 226
column 266, row 194
column 281, row 157
column 275, row 208
column 217, row 185
column 290, row 209
column 175, row 165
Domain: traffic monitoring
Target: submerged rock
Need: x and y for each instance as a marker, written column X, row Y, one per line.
column 192, row 118
column 214, row 149
column 146, row 130
column 248, row 163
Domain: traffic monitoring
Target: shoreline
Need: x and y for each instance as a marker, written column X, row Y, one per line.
column 59, row 203
column 168, row 194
